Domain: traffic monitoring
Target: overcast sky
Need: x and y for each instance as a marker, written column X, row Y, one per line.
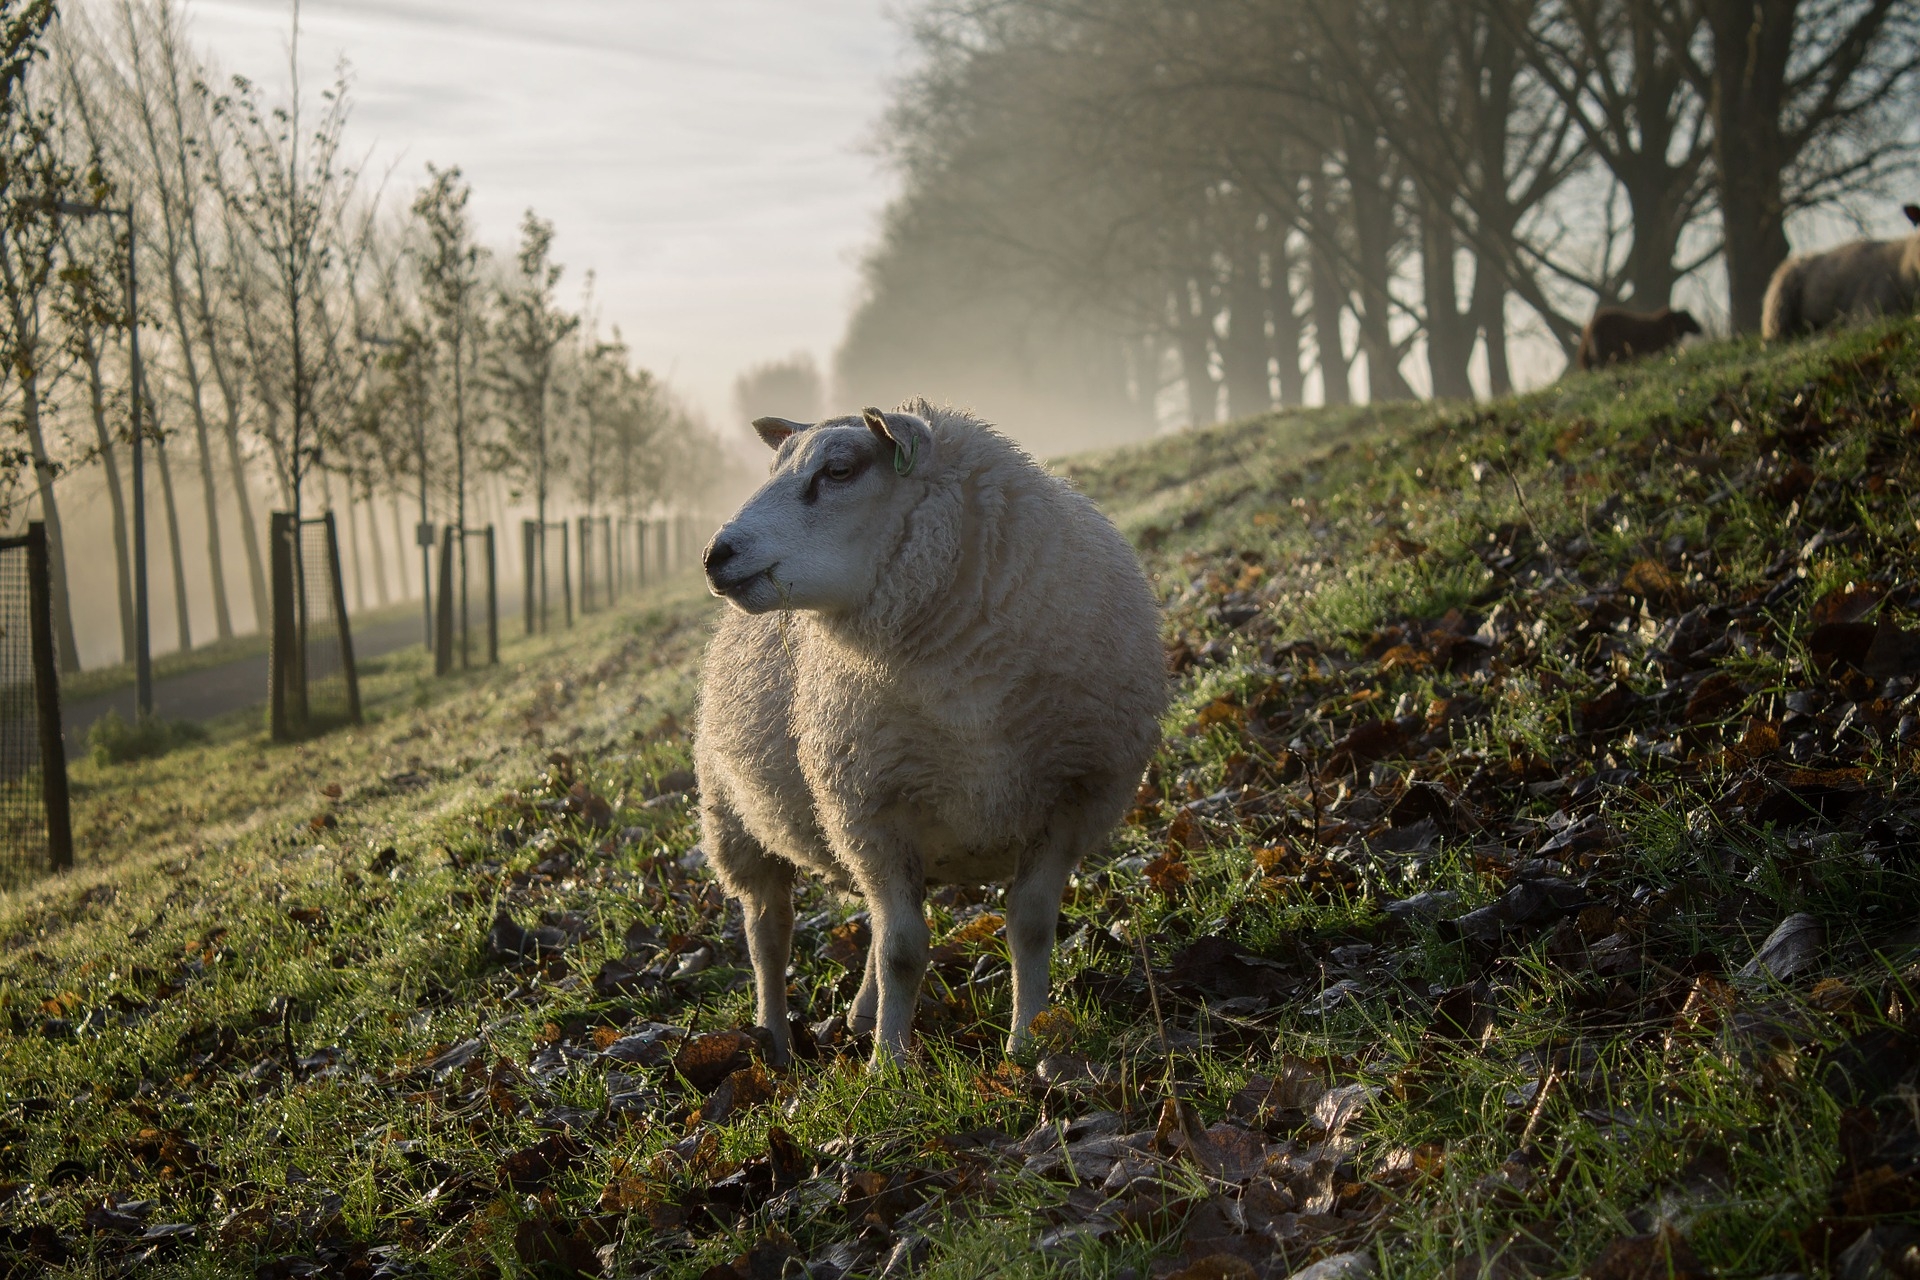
column 706, row 158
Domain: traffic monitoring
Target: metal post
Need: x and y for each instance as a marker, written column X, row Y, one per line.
column 142, row 651
column 423, row 536
column 46, row 692
column 566, row 573
column 493, row 604
column 341, row 627
column 585, row 527
column 529, row 540
column 464, row 612
column 443, row 631
column 280, row 664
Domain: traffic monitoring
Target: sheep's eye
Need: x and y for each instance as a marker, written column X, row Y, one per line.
column 839, row 471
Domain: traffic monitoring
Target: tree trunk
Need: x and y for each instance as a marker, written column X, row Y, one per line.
column 1450, row 335
column 373, row 544
column 1329, row 292
column 43, row 474
column 1756, row 240
column 1490, row 315
column 1329, row 302
column 216, row 558
column 1752, row 44
column 1245, row 350
column 1373, row 241
column 196, row 401
column 353, row 542
column 1288, row 328
column 249, row 536
column 503, row 555
column 173, row 541
column 1196, row 370
column 116, row 498
column 223, row 377
column 403, row 544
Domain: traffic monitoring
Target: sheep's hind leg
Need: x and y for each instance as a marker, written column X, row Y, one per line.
column 1033, row 899
column 1033, row 911
column 866, row 1001
column 898, row 964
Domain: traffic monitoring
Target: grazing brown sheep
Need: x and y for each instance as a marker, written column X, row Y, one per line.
column 1615, row 334
column 1853, row 282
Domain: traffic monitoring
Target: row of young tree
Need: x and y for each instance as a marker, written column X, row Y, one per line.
column 1252, row 196
column 294, row 319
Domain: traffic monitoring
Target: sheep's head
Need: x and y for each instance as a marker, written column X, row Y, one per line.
column 1684, row 324
column 819, row 530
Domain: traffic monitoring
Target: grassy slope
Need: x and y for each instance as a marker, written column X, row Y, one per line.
column 234, row 1009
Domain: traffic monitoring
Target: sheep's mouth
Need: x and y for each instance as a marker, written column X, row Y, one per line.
column 742, row 587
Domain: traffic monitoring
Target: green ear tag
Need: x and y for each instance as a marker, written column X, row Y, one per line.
column 903, row 457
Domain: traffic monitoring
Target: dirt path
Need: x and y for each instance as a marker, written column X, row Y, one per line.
column 233, row 686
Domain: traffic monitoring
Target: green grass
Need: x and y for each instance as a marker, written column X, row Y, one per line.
column 230, row 1007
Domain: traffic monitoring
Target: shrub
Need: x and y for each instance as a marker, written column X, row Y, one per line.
column 114, row 740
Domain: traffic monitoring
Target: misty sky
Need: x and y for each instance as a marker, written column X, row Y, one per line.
column 705, row 157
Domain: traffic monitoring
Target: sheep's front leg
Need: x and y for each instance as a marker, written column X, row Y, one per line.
column 897, row 962
column 1033, row 912
column 764, row 886
column 769, row 920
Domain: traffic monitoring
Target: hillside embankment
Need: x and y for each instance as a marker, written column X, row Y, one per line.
column 1526, row 886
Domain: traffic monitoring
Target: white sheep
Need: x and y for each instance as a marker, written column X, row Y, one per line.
column 942, row 665
column 1854, row 281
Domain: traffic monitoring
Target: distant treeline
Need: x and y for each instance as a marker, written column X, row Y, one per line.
column 1257, row 198
column 303, row 331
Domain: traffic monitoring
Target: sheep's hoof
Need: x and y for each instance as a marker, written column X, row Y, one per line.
column 884, row 1060
column 775, row 1047
column 887, row 1055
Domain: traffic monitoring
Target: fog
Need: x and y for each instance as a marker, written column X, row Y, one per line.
column 366, row 554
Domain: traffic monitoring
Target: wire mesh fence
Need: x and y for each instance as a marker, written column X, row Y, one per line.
column 630, row 553
column 35, row 829
column 596, row 563
column 548, row 555
column 314, row 685
column 662, row 547
column 467, row 630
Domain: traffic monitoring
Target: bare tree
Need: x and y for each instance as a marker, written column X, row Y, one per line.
column 532, row 330
column 1615, row 66
column 154, row 101
column 789, row 388
column 286, row 202
column 34, row 179
column 1810, row 100
column 448, row 264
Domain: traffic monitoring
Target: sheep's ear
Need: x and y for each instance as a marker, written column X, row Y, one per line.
column 908, row 433
column 774, row 431
column 1913, row 213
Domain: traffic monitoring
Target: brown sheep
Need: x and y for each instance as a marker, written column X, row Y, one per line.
column 1855, row 281
column 1615, row 334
